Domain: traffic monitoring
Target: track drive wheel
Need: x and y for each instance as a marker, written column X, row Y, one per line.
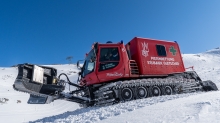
column 155, row 91
column 141, row 92
column 167, row 90
column 126, row 94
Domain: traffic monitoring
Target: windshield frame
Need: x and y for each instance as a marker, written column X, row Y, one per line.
column 89, row 64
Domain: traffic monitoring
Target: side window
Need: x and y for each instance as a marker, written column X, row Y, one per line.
column 161, row 51
column 109, row 54
column 109, row 58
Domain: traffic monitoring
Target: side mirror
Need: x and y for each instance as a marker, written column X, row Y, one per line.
column 79, row 73
column 78, row 65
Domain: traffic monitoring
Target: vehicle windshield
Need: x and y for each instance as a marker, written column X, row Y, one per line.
column 89, row 64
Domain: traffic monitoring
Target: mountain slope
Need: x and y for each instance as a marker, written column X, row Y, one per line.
column 195, row 107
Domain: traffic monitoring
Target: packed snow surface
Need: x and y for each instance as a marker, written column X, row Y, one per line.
column 200, row 107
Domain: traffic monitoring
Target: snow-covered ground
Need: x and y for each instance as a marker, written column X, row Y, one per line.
column 196, row 107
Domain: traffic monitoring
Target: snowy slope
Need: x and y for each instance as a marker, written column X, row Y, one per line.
column 195, row 107
column 207, row 65
column 199, row 108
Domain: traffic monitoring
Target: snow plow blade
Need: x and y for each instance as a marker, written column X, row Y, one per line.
column 39, row 82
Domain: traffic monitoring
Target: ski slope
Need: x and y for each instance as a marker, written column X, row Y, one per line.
column 200, row 107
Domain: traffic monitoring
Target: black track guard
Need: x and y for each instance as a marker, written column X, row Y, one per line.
column 209, row 85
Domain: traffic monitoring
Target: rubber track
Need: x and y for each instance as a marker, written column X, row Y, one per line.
column 186, row 86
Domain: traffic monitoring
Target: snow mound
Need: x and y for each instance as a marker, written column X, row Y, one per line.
column 214, row 51
column 198, row 108
column 95, row 114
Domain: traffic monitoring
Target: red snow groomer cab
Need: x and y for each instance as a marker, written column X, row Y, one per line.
column 114, row 72
column 139, row 58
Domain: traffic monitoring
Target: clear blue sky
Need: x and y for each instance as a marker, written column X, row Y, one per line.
column 47, row 31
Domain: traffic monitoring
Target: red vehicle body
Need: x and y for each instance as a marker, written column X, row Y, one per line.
column 114, row 73
column 148, row 57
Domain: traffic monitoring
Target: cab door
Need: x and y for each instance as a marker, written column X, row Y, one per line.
column 110, row 64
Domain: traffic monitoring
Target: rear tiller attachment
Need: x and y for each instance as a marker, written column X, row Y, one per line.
column 43, row 85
